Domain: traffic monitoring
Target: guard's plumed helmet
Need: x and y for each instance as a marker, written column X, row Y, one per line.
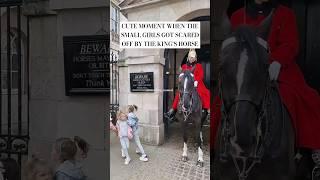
column 192, row 54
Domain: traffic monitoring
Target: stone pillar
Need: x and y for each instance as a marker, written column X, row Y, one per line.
column 150, row 104
column 124, row 84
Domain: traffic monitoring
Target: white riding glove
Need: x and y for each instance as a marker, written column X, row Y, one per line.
column 195, row 83
column 274, row 70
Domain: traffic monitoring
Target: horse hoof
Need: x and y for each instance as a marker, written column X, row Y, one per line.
column 184, row 158
column 200, row 164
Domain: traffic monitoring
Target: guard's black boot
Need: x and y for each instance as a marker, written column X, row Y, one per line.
column 170, row 115
column 204, row 115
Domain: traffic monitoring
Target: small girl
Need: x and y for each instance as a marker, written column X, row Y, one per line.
column 82, row 148
column 123, row 127
column 112, row 126
column 64, row 152
column 38, row 169
column 133, row 123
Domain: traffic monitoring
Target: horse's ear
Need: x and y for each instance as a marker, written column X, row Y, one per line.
column 265, row 26
column 226, row 25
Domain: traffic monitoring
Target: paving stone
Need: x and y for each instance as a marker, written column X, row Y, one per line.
column 165, row 161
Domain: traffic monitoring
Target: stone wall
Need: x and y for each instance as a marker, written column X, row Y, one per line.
column 52, row 113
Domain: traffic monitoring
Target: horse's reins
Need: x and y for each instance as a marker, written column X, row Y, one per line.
column 188, row 111
column 261, row 109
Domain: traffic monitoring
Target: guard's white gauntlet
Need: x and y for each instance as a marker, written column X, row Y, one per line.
column 274, row 70
column 195, row 83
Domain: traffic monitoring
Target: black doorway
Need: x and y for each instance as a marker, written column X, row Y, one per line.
column 311, row 46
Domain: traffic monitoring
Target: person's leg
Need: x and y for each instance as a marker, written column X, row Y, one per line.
column 305, row 122
column 138, row 143
column 205, row 102
column 176, row 102
column 126, row 144
column 124, row 141
column 122, row 153
column 205, row 98
column 204, row 116
column 172, row 112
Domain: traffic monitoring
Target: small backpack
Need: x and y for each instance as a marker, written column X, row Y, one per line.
column 130, row 132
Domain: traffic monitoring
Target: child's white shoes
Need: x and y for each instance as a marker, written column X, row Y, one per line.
column 144, row 158
column 127, row 161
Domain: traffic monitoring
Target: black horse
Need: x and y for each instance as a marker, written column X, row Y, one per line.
column 255, row 139
column 191, row 108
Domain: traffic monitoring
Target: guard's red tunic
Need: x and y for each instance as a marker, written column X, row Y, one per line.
column 302, row 102
column 204, row 93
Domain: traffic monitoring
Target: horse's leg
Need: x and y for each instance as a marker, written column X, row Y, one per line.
column 200, row 139
column 185, row 138
column 200, row 152
column 286, row 163
column 290, row 139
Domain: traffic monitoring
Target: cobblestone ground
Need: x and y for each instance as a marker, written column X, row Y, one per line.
column 164, row 161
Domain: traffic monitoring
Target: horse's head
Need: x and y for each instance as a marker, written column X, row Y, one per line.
column 244, row 77
column 186, row 89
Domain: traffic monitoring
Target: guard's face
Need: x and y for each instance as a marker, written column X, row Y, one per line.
column 192, row 59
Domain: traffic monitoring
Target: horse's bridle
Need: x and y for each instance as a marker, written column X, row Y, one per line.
column 260, row 105
column 188, row 111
